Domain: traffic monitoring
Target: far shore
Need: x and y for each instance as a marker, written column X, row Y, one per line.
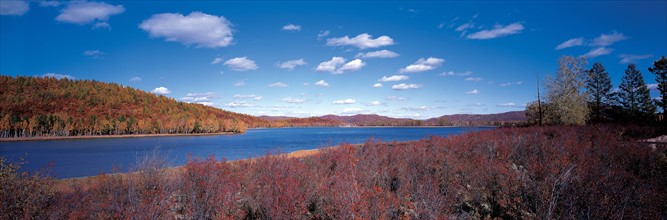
column 46, row 138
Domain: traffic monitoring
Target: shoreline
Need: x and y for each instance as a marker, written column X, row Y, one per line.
column 49, row 138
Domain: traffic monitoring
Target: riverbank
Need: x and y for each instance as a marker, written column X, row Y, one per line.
column 48, row 138
column 508, row 172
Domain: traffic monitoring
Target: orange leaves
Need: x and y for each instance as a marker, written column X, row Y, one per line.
column 519, row 173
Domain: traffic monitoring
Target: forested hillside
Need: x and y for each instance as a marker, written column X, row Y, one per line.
column 506, row 118
column 31, row 106
column 374, row 120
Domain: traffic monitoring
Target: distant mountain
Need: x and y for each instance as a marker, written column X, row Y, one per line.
column 284, row 121
column 275, row 118
column 479, row 119
column 373, row 120
column 446, row 120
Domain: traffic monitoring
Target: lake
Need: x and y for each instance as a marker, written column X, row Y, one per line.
column 87, row 157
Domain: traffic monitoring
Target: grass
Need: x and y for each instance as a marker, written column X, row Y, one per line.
column 598, row 172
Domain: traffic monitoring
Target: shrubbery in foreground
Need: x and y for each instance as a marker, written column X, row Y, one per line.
column 551, row 172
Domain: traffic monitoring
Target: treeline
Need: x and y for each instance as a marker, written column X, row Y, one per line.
column 577, row 95
column 557, row 172
column 34, row 106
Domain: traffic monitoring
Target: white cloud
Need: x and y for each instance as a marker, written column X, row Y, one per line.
column 49, row 3
column 345, row 102
column 82, row 12
column 253, row 97
column 595, row 52
column 199, row 98
column 239, row 104
column 378, row 54
column 353, row 65
column 217, row 60
column 239, row 83
column 58, row 76
column 465, row 26
column 631, row 58
column 293, row 100
column 472, row 92
column 135, row 79
column 292, row 27
column 278, row 84
column 571, row 43
column 423, row 65
column 476, row 79
column 396, row 98
column 349, row 111
column 509, row 104
column 322, row 83
column 511, row 83
column 374, row 103
column 497, row 31
column 290, row 65
column 323, row 34
column 93, row 53
column 377, row 85
column 419, row 108
column 476, row 104
column 608, row 39
column 361, row 41
column 161, row 90
column 393, row 78
column 14, row 7
column 404, row 86
column 196, row 28
column 652, row 87
column 102, row 25
column 241, row 64
column 452, row 73
column 332, row 65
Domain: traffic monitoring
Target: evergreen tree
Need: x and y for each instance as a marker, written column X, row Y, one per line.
column 660, row 70
column 634, row 96
column 598, row 85
column 565, row 92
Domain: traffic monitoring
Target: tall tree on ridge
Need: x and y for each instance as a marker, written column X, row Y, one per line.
column 598, row 85
column 634, row 96
column 660, row 70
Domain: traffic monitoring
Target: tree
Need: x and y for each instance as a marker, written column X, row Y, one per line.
column 634, row 96
column 660, row 70
column 565, row 92
column 598, row 85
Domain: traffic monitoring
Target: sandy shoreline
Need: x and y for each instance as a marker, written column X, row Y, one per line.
column 107, row 136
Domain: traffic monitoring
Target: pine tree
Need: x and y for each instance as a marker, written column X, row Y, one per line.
column 565, row 92
column 598, row 85
column 634, row 96
column 660, row 71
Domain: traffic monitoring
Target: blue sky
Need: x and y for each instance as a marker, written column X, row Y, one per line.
column 415, row 59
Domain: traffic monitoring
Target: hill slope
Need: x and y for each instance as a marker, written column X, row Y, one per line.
column 477, row 119
column 373, row 120
column 32, row 106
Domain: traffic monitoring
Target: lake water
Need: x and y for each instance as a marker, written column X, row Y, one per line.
column 87, row 157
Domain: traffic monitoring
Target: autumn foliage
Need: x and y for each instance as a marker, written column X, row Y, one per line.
column 561, row 172
column 32, row 106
